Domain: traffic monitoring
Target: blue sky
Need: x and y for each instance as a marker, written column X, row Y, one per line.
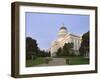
column 44, row 27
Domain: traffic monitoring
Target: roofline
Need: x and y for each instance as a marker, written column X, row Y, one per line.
column 75, row 35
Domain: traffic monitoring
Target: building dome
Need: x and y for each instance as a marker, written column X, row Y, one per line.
column 62, row 31
column 63, row 28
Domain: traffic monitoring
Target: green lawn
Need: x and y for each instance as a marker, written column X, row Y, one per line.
column 37, row 61
column 77, row 61
column 69, row 61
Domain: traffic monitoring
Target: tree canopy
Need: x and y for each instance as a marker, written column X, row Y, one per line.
column 32, row 49
column 31, row 45
column 66, row 50
column 84, row 48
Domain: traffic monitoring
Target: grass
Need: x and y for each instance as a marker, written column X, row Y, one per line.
column 77, row 60
column 37, row 61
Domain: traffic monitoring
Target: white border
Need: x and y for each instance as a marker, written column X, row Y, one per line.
column 53, row 69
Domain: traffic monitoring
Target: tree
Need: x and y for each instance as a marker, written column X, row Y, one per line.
column 31, row 48
column 84, row 49
column 66, row 50
column 43, row 53
column 59, row 52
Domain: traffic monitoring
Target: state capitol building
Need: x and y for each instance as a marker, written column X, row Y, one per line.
column 63, row 37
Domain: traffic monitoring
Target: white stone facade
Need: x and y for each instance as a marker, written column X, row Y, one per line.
column 65, row 37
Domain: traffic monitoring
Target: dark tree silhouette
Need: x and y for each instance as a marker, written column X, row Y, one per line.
column 84, row 49
column 42, row 53
column 59, row 52
column 67, row 50
column 33, row 51
column 31, row 48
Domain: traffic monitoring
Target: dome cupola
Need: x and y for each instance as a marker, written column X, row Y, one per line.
column 63, row 28
column 62, row 31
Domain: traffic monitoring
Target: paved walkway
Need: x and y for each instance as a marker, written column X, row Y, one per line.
column 55, row 62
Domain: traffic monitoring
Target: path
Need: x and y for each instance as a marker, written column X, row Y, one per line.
column 55, row 62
